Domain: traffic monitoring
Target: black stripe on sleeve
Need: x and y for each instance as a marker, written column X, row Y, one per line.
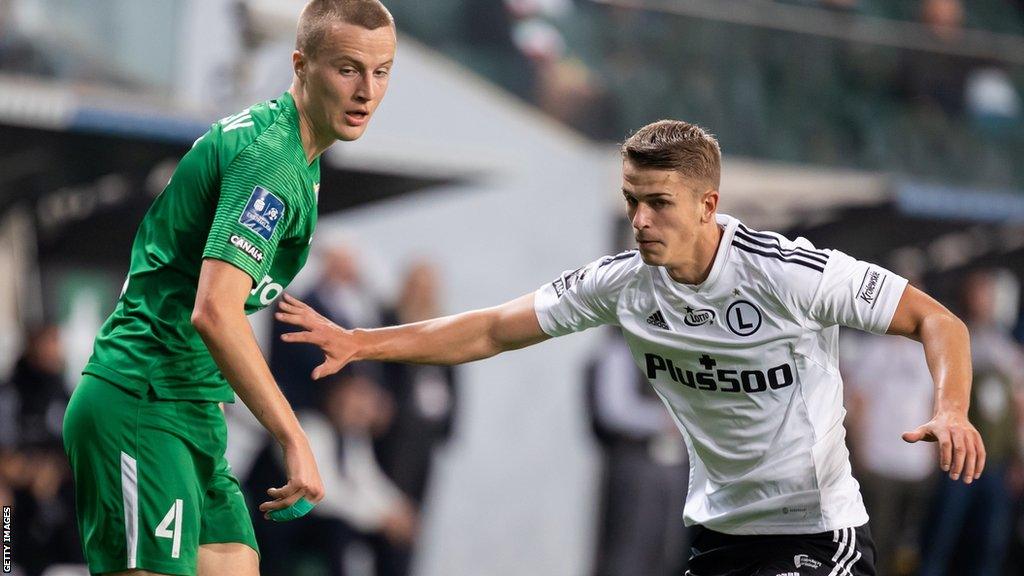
column 768, row 241
column 620, row 256
column 786, row 253
column 809, row 254
column 793, row 258
column 816, row 258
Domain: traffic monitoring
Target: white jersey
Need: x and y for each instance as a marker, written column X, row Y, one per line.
column 747, row 364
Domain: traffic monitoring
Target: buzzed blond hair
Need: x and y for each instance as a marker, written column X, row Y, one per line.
column 318, row 16
column 676, row 145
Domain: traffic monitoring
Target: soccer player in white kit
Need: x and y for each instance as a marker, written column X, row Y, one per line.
column 737, row 331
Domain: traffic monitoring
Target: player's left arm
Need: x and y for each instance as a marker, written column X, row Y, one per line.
column 947, row 348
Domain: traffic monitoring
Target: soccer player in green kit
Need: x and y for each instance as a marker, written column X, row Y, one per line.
column 144, row 431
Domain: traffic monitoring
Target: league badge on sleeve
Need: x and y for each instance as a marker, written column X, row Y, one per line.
column 262, row 213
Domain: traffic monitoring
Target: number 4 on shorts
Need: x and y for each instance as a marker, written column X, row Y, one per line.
column 162, row 531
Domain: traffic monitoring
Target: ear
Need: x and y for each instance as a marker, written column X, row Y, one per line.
column 709, row 205
column 299, row 65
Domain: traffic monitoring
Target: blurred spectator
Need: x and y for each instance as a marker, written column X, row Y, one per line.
column 359, row 494
column 640, row 530
column 424, row 396
column 34, row 474
column 566, row 88
column 935, row 78
column 570, row 92
column 362, row 510
column 517, row 44
column 889, row 390
column 992, row 99
column 38, row 380
column 949, row 94
column 979, row 515
column 18, row 54
column 487, row 27
column 341, row 295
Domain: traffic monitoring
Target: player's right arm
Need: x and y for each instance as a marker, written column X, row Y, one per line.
column 576, row 300
column 219, row 318
column 456, row 339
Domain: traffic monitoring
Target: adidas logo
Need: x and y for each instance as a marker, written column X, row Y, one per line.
column 657, row 320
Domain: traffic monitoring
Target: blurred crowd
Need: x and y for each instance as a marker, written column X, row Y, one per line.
column 930, row 93
column 930, row 88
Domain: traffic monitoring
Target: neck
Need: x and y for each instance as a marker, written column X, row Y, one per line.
column 313, row 142
column 696, row 267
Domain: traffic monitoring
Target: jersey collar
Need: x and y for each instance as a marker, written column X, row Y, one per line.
column 287, row 102
column 729, row 225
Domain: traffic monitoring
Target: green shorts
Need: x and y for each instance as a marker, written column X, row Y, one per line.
column 151, row 480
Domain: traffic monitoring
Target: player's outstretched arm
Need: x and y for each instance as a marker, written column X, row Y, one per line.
column 947, row 348
column 219, row 317
column 454, row 339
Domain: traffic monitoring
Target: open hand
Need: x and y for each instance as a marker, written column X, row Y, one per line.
column 961, row 449
column 335, row 342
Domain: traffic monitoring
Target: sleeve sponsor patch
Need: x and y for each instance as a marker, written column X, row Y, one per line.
column 568, row 280
column 248, row 247
column 262, row 213
column 871, row 286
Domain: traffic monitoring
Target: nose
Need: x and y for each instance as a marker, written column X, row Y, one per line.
column 365, row 91
column 640, row 218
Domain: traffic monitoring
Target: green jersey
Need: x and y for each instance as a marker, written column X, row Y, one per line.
column 243, row 194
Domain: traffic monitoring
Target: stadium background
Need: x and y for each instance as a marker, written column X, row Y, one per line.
column 891, row 129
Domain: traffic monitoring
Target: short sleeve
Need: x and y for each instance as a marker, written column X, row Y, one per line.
column 585, row 297
column 857, row 294
column 252, row 215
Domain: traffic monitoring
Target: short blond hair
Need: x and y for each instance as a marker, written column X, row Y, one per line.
column 676, row 145
column 318, row 16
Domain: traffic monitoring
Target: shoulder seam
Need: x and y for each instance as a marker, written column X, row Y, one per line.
column 254, row 140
